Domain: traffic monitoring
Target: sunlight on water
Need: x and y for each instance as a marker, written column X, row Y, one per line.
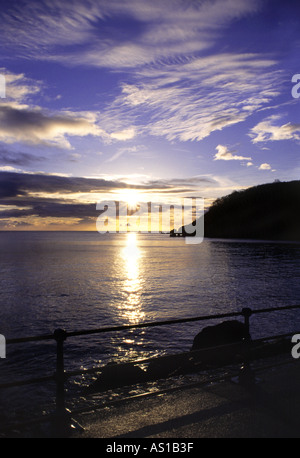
column 131, row 256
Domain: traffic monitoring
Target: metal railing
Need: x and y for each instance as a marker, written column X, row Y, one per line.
column 62, row 416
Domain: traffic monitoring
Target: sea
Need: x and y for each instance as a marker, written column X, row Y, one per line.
column 80, row 281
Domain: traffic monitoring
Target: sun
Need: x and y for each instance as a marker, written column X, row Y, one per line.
column 131, row 197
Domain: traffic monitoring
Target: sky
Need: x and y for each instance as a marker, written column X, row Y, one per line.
column 151, row 99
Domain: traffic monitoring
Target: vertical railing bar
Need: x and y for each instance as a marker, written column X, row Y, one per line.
column 59, row 423
column 246, row 376
column 60, row 337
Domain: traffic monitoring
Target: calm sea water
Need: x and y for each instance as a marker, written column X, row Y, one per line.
column 79, row 281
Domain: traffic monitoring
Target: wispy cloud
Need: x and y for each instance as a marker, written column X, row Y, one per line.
column 126, row 134
column 47, row 29
column 178, row 87
column 132, row 150
column 19, row 88
column 188, row 100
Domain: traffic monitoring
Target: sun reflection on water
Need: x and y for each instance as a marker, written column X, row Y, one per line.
column 131, row 255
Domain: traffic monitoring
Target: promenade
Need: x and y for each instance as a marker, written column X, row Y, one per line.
column 269, row 408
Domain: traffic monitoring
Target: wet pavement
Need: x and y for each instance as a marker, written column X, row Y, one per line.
column 266, row 407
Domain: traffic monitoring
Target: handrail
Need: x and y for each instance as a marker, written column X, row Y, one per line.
column 62, row 416
column 148, row 324
column 92, row 370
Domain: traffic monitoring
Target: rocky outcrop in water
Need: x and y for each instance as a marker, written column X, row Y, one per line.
column 214, row 346
column 228, row 332
column 116, row 376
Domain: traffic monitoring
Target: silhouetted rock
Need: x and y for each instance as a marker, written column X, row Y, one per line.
column 118, row 375
column 228, row 332
column 169, row 366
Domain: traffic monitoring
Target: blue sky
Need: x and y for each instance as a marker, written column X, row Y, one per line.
column 173, row 97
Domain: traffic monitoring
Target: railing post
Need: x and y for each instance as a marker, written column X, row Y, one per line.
column 60, row 336
column 246, row 376
column 63, row 423
column 61, row 415
column 247, row 312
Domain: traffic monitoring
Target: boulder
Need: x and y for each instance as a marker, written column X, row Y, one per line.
column 228, row 332
column 169, row 366
column 118, row 375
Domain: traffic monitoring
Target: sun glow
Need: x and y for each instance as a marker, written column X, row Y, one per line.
column 131, row 197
